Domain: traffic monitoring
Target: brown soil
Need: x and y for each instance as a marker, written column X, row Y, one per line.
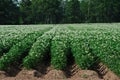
column 55, row 74
column 48, row 73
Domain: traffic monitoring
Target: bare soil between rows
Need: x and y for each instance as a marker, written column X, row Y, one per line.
column 49, row 73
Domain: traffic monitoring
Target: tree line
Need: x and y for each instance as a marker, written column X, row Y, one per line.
column 59, row 11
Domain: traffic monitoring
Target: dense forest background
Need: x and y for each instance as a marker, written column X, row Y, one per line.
column 59, row 11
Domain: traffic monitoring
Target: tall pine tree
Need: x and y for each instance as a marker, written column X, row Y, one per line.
column 26, row 12
column 47, row 11
column 73, row 12
column 9, row 12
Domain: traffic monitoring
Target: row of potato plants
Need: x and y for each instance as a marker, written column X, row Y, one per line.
column 9, row 36
column 18, row 51
column 80, row 49
column 60, row 48
column 106, row 46
column 39, row 50
column 86, row 46
column 6, row 29
column 103, row 45
column 8, row 41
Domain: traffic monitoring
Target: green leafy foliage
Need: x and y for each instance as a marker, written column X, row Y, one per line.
column 81, row 51
column 106, row 47
column 59, row 49
column 87, row 44
column 17, row 51
column 102, row 43
column 9, row 35
column 39, row 49
column 8, row 41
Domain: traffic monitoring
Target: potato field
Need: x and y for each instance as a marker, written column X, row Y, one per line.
column 85, row 45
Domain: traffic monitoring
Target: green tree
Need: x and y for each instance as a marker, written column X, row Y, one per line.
column 26, row 12
column 9, row 12
column 101, row 10
column 47, row 11
column 73, row 12
column 84, row 10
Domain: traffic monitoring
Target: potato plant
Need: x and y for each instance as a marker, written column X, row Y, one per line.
column 87, row 43
column 39, row 49
column 104, row 43
column 106, row 47
column 81, row 51
column 13, row 35
column 59, row 49
column 8, row 41
column 18, row 51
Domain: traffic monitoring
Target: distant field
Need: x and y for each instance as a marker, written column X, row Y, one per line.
column 86, row 45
